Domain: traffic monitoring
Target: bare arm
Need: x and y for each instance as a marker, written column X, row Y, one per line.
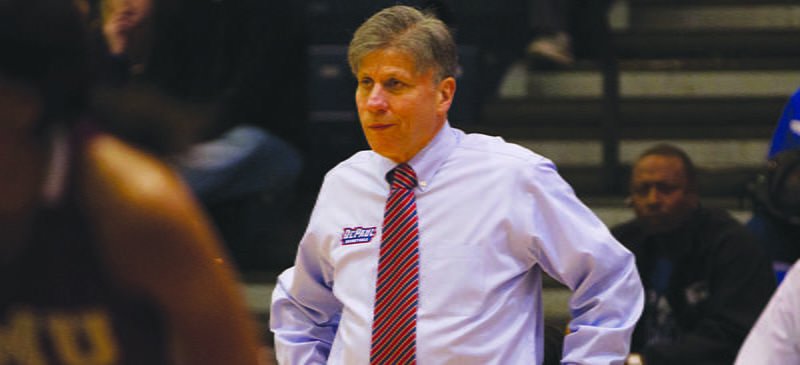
column 156, row 241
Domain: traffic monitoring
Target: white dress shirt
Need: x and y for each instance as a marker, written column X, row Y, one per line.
column 492, row 217
column 775, row 338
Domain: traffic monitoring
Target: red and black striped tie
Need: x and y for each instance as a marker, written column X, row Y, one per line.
column 395, row 317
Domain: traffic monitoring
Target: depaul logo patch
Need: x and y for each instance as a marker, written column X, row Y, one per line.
column 355, row 235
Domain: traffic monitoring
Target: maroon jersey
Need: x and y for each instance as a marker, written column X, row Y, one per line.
column 58, row 304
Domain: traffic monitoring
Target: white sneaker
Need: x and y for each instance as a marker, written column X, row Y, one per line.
column 555, row 48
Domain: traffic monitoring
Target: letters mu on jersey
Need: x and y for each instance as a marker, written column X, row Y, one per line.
column 71, row 338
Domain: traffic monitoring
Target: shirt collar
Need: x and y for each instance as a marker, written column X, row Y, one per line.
column 428, row 161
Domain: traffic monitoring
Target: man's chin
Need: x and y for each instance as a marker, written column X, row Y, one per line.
column 658, row 224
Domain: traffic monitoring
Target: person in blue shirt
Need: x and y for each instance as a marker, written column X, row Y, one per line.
column 787, row 132
column 493, row 219
column 776, row 210
column 775, row 220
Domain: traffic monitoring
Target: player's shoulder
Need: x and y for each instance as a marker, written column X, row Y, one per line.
column 118, row 176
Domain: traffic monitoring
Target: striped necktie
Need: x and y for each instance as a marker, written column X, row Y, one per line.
column 395, row 316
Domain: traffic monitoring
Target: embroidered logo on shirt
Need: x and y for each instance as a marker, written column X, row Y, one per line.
column 355, row 235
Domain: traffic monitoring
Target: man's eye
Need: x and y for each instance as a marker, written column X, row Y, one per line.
column 365, row 82
column 666, row 188
column 394, row 84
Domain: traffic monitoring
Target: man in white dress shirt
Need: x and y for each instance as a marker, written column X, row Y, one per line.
column 775, row 338
column 493, row 217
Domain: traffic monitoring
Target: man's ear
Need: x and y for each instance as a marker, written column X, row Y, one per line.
column 446, row 92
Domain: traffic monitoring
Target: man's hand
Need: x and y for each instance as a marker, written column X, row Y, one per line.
column 634, row 359
column 116, row 31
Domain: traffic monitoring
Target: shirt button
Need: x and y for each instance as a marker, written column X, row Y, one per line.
column 423, row 183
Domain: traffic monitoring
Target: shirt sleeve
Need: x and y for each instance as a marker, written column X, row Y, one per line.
column 773, row 339
column 574, row 247
column 304, row 314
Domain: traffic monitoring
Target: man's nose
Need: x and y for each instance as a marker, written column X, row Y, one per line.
column 377, row 99
column 653, row 196
column 126, row 6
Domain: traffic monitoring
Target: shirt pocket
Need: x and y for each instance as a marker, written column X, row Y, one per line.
column 453, row 278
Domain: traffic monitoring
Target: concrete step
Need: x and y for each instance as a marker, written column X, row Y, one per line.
column 665, row 83
column 729, row 183
column 640, row 118
column 709, row 155
column 716, row 63
column 612, row 215
column 713, row 15
column 673, row 43
column 258, row 295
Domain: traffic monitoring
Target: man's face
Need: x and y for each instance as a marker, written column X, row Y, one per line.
column 400, row 109
column 130, row 12
column 659, row 193
column 122, row 21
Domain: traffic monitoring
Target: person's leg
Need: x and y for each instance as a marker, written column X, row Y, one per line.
column 551, row 40
column 246, row 181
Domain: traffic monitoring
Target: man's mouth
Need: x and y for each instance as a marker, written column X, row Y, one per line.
column 380, row 126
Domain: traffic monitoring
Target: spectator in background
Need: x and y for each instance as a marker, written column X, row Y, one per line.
column 705, row 277
column 552, row 41
column 104, row 255
column 774, row 337
column 787, row 132
column 127, row 28
column 776, row 210
column 776, row 192
column 566, row 29
column 213, row 56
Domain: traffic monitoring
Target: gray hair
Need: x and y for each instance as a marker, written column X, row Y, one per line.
column 427, row 39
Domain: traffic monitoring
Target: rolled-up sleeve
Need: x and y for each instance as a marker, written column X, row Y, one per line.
column 304, row 314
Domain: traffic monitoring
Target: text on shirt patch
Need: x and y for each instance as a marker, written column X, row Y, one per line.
column 356, row 235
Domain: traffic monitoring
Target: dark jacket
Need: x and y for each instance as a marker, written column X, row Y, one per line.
column 705, row 284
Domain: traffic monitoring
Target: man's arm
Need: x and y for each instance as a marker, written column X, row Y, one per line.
column 575, row 247
column 773, row 339
column 305, row 314
column 155, row 241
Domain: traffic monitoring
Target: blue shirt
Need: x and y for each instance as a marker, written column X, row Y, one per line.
column 492, row 217
column 787, row 132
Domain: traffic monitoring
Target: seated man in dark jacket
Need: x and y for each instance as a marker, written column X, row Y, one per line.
column 705, row 278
